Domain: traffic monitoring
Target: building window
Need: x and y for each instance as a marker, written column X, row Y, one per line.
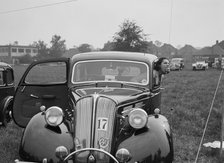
column 28, row 50
column 21, row 50
column 14, row 50
column 3, row 50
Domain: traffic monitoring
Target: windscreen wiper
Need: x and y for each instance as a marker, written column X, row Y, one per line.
column 135, row 86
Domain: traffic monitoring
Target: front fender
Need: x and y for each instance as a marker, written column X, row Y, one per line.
column 153, row 144
column 39, row 140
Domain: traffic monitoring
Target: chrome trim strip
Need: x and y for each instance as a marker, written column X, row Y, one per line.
column 120, row 60
column 95, row 98
column 83, row 115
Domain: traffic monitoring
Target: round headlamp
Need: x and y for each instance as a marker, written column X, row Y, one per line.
column 54, row 116
column 138, row 118
column 61, row 152
column 123, row 155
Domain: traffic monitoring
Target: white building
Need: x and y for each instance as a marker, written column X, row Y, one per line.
column 9, row 53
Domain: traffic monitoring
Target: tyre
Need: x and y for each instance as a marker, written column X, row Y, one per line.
column 6, row 116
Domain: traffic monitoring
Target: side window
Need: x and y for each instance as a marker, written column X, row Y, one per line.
column 47, row 73
column 1, row 78
column 9, row 77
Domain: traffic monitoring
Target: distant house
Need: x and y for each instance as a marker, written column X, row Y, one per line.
column 209, row 54
column 166, row 50
column 10, row 53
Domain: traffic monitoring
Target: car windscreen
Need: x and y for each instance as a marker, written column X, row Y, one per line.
column 111, row 71
column 176, row 60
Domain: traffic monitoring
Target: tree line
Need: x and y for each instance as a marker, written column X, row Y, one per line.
column 130, row 37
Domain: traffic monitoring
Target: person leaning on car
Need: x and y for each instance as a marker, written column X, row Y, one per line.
column 161, row 67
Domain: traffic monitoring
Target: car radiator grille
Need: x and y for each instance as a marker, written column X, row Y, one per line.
column 199, row 66
column 94, row 121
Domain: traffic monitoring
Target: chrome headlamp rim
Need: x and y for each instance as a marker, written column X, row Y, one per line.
column 54, row 116
column 123, row 155
column 138, row 118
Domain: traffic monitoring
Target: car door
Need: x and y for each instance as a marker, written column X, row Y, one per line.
column 44, row 83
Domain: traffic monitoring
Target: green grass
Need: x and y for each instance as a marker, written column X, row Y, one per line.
column 10, row 137
column 186, row 101
column 9, row 143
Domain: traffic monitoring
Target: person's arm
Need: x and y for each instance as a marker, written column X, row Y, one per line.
column 156, row 77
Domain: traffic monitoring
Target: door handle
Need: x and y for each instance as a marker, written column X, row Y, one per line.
column 48, row 96
column 34, row 96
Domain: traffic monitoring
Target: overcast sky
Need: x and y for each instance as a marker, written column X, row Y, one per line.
column 194, row 22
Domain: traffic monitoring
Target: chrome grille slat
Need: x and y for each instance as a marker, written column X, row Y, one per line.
column 105, row 109
column 83, row 121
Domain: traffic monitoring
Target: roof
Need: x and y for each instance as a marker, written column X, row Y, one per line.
column 177, row 59
column 113, row 55
column 3, row 64
column 214, row 50
column 18, row 46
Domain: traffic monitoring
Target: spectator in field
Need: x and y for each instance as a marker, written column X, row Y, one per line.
column 161, row 67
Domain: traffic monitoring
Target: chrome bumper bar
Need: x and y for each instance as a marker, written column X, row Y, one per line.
column 17, row 161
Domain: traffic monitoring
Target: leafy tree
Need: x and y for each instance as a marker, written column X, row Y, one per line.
column 150, row 47
column 25, row 59
column 158, row 43
column 58, row 47
column 15, row 43
column 85, row 48
column 43, row 51
column 130, row 38
column 108, row 46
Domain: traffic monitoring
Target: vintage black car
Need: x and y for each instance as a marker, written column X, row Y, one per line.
column 7, row 90
column 96, row 107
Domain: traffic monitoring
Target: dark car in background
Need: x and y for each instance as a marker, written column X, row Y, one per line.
column 97, row 107
column 7, row 90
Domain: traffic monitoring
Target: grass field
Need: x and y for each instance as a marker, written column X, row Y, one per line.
column 186, row 101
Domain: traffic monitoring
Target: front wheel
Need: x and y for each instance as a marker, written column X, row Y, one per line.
column 6, row 116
